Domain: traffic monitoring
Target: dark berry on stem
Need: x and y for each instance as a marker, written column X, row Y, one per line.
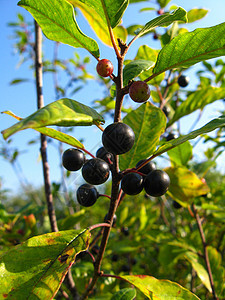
column 166, row 110
column 171, row 136
column 176, row 205
column 183, row 80
column 87, row 195
column 104, row 68
column 125, row 231
column 95, row 171
column 132, row 183
column 105, row 155
column 139, row 91
column 149, row 167
column 156, row 183
column 118, row 138
column 73, row 159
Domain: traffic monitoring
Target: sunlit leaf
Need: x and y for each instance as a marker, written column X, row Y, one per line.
column 199, row 268
column 196, row 14
column 63, row 112
column 124, row 294
column 198, row 100
column 159, row 289
column 148, row 123
column 164, row 20
column 212, row 125
column 180, row 155
column 57, row 21
column 37, row 267
column 190, row 48
column 135, row 68
column 185, row 185
column 113, row 10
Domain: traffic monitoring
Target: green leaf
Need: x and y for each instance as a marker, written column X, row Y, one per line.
column 135, row 68
column 199, row 268
column 180, row 155
column 164, row 20
column 18, row 80
column 113, row 10
column 57, row 21
column 212, row 125
column 63, row 112
column 163, row 3
column 159, row 289
column 55, row 134
column 143, row 217
column 71, row 220
column 198, row 100
column 185, row 185
column 190, row 48
column 124, row 294
column 148, row 123
column 36, row 268
column 196, row 14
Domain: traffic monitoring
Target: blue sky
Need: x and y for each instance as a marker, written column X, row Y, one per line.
column 21, row 99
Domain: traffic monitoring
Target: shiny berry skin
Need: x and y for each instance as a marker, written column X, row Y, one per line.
column 166, row 110
column 87, row 195
column 105, row 155
column 95, row 171
column 149, row 167
column 160, row 11
column 176, row 205
column 73, row 159
column 139, row 91
column 118, row 138
column 183, row 80
column 156, row 183
column 104, row 68
column 132, row 183
column 171, row 136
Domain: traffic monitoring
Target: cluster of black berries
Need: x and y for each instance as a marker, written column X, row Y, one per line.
column 117, row 138
column 155, row 182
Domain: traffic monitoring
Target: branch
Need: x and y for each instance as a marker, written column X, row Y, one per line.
column 206, row 257
column 47, row 183
column 43, row 149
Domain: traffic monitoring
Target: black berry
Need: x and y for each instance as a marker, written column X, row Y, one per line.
column 183, row 80
column 95, row 171
column 115, row 257
column 73, row 159
column 156, row 183
column 132, row 183
column 87, row 195
column 149, row 167
column 166, row 110
column 105, row 155
column 118, row 138
column 125, row 231
column 176, row 205
column 125, row 268
column 171, row 136
column 139, row 91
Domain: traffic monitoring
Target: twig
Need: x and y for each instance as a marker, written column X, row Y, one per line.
column 43, row 148
column 47, row 183
column 206, row 257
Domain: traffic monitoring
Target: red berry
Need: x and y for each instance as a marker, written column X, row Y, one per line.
column 160, row 11
column 104, row 68
column 139, row 91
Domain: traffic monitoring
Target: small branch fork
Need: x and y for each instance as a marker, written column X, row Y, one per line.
column 205, row 256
